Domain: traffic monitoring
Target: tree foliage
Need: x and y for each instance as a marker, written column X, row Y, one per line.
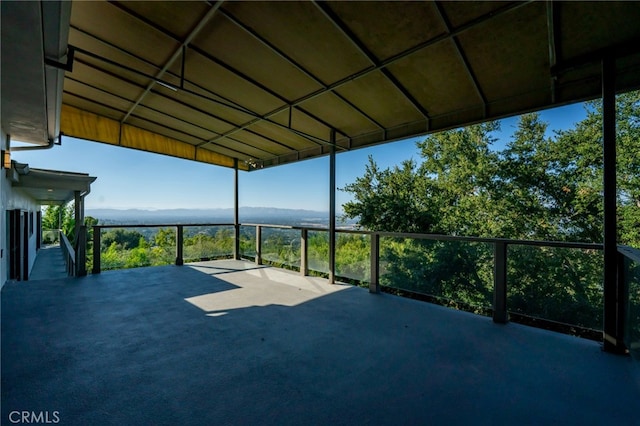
column 538, row 187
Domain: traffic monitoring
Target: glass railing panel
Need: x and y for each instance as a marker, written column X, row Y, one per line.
column 453, row 273
column 558, row 284
column 162, row 250
column 281, row 247
column 208, row 242
column 122, row 248
column 353, row 258
column 248, row 242
column 632, row 329
column 318, row 252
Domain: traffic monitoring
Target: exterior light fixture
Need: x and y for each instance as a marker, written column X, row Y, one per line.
column 6, row 159
column 253, row 164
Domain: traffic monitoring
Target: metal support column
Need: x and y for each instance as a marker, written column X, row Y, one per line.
column 332, row 209
column 236, row 212
column 613, row 342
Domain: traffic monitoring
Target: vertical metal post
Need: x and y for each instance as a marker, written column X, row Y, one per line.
column 77, row 204
column 304, row 255
column 500, row 283
column 332, row 209
column 623, row 302
column 236, row 213
column 96, row 250
column 258, row 245
column 81, row 252
column 179, row 245
column 374, row 285
column 613, row 341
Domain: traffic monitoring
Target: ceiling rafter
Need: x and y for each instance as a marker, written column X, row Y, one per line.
column 150, row 121
column 392, row 60
column 553, row 27
column 295, row 64
column 227, row 102
column 335, row 20
column 463, row 58
column 510, row 7
column 176, row 54
column 286, row 103
column 386, row 63
column 176, row 101
column 193, row 93
column 175, row 118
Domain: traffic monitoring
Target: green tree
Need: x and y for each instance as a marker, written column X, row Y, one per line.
column 538, row 187
column 124, row 239
column 60, row 217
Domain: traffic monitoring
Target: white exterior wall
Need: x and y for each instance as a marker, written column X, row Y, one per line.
column 12, row 199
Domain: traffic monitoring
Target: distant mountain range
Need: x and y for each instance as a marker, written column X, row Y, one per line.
column 247, row 214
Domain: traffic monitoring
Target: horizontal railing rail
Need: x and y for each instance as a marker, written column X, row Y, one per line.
column 69, row 254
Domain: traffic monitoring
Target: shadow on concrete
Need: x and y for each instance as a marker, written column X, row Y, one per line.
column 177, row 345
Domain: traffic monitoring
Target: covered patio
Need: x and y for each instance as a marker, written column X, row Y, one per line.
column 230, row 342
column 252, row 85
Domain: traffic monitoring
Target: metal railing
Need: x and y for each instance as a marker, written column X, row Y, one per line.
column 69, row 254
column 289, row 247
column 179, row 254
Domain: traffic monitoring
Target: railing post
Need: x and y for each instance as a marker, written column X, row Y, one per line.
column 500, row 283
column 304, row 254
column 96, row 250
column 179, row 245
column 374, row 285
column 81, row 252
column 258, row 245
column 623, row 301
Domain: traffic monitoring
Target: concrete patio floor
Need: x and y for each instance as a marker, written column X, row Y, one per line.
column 227, row 342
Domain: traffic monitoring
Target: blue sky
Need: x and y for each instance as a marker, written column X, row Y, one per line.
column 134, row 179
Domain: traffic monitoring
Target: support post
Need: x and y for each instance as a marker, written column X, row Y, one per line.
column 332, row 209
column 81, row 252
column 623, row 302
column 179, row 245
column 258, row 245
column 77, row 204
column 613, row 341
column 500, row 283
column 236, row 212
column 96, row 249
column 374, row 285
column 304, row 254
